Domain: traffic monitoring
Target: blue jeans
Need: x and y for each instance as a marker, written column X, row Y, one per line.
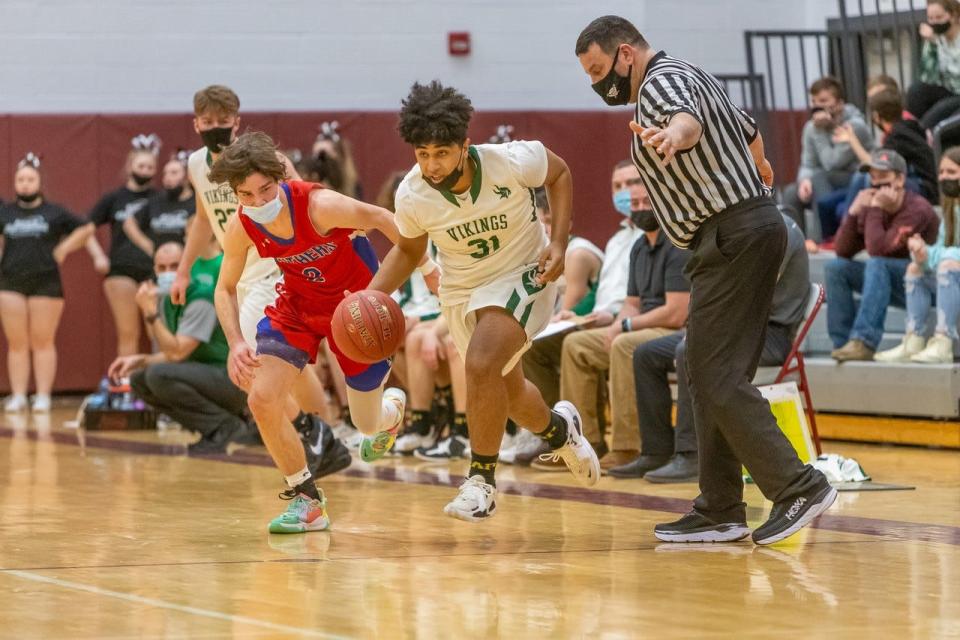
column 880, row 283
column 921, row 290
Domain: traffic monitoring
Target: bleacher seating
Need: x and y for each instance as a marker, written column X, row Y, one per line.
column 874, row 387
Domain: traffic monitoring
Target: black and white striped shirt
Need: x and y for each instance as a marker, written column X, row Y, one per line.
column 717, row 172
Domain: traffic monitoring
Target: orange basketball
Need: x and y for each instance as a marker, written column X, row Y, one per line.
column 368, row 326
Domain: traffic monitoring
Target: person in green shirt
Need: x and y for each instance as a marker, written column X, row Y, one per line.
column 187, row 378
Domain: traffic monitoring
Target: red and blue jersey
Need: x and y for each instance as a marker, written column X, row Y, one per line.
column 316, row 268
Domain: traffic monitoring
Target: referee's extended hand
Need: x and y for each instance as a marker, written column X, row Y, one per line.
column 662, row 140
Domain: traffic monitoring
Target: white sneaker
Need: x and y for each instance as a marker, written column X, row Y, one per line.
column 526, row 447
column 939, row 350
column 399, row 399
column 15, row 404
column 409, row 442
column 508, row 441
column 350, row 436
column 911, row 345
column 476, row 501
column 577, row 452
column 41, row 404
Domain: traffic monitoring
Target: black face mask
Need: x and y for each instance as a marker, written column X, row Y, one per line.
column 217, row 138
column 450, row 181
column 644, row 219
column 614, row 88
column 175, row 192
column 27, row 199
column 950, row 188
column 940, row 28
column 141, row 180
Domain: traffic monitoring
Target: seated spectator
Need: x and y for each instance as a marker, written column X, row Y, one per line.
column 934, row 272
column 668, row 454
column 935, row 97
column 906, row 137
column 826, row 165
column 582, row 263
column 541, row 363
column 165, row 216
column 331, row 162
column 880, row 220
column 658, row 295
column 187, row 378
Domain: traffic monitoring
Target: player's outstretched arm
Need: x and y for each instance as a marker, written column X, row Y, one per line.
column 400, row 262
column 331, row 210
column 235, row 244
column 197, row 239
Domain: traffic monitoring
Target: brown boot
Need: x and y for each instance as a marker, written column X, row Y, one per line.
column 853, row 350
column 617, row 458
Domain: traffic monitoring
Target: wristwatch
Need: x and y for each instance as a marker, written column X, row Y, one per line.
column 626, row 325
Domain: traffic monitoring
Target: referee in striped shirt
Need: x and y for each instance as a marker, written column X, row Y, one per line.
column 702, row 160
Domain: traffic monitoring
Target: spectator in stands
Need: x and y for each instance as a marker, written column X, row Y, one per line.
column 582, row 264
column 187, row 378
column 882, row 82
column 906, row 137
column 129, row 265
column 934, row 272
column 880, row 220
column 166, row 215
column 658, row 295
column 541, row 364
column 331, row 162
column 35, row 238
column 935, row 97
column 668, row 454
column 826, row 165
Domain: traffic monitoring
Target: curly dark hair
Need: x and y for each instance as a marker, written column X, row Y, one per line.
column 434, row 114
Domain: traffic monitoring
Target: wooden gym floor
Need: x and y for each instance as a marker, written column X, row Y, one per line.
column 128, row 538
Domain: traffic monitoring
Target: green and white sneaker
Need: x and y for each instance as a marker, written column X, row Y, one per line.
column 376, row 446
column 302, row 515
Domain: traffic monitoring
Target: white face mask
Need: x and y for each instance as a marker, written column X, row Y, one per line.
column 267, row 213
column 165, row 282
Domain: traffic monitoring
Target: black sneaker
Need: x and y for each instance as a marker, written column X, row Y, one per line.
column 452, row 447
column 789, row 516
column 325, row 453
column 694, row 527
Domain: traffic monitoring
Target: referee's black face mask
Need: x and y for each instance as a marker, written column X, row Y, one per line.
column 614, row 88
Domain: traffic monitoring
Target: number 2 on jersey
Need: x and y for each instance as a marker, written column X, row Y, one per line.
column 223, row 215
column 483, row 247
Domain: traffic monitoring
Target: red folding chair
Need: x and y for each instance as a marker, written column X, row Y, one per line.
column 794, row 362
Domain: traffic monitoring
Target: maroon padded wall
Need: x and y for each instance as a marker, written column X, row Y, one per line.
column 83, row 157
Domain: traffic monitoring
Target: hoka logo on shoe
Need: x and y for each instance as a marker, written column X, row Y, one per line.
column 795, row 508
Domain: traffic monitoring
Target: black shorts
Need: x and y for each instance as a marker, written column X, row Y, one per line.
column 135, row 273
column 45, row 284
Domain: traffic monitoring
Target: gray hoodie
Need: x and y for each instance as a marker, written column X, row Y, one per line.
column 820, row 153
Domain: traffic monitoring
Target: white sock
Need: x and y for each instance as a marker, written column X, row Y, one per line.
column 298, row 478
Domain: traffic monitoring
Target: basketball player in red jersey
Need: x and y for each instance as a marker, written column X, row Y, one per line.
column 311, row 232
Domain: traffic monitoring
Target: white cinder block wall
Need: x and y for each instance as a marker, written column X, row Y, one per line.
column 151, row 55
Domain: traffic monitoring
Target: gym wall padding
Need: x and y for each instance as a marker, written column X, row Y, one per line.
column 83, row 156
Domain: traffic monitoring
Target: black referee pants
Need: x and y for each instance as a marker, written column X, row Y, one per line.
column 733, row 272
